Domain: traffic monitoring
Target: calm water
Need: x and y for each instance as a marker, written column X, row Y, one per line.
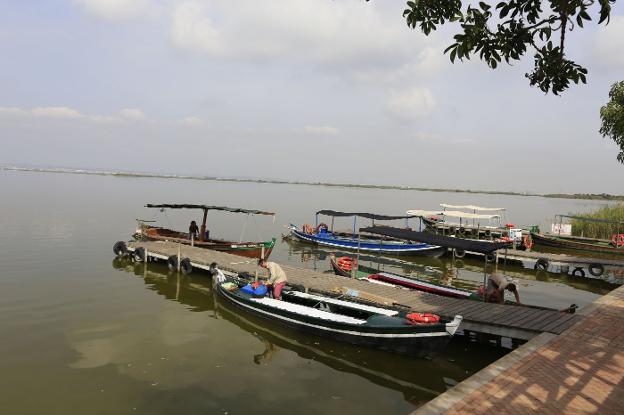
column 85, row 333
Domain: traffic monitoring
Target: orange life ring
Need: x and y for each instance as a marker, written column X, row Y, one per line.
column 346, row 263
column 617, row 240
column 422, row 318
column 510, row 225
column 307, row 228
column 527, row 241
column 321, row 226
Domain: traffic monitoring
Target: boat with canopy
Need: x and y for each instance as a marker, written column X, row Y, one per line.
column 418, row 334
column 468, row 221
column 561, row 237
column 261, row 249
column 324, row 235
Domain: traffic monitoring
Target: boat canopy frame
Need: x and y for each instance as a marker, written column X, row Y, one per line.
column 372, row 216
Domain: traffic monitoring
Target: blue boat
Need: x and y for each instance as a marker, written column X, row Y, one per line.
column 324, row 235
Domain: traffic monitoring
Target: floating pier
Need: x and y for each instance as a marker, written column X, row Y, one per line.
column 514, row 322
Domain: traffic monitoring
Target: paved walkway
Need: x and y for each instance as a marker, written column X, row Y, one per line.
column 580, row 371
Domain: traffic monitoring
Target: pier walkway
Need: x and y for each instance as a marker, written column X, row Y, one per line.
column 580, row 371
column 514, row 322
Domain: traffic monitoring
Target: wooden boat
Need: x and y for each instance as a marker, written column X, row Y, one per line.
column 325, row 236
column 261, row 249
column 359, row 324
column 472, row 225
column 344, row 266
column 598, row 246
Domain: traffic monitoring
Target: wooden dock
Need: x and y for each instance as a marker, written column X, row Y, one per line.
column 522, row 323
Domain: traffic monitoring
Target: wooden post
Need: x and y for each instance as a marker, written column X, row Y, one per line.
column 193, row 240
column 202, row 230
column 262, row 252
column 146, row 256
column 179, row 255
column 485, row 278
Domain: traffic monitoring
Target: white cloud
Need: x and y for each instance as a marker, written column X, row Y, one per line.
column 609, row 42
column 114, row 9
column 320, row 130
column 191, row 121
column 12, row 111
column 133, row 114
column 428, row 62
column 410, row 104
column 307, row 30
column 56, row 112
column 425, row 136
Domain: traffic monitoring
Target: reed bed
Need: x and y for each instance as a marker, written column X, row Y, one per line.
column 601, row 230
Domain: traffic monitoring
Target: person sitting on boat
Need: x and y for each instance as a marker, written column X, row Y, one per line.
column 495, row 289
column 193, row 230
column 217, row 275
column 277, row 277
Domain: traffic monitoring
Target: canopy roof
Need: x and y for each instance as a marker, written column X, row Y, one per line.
column 361, row 214
column 207, row 207
column 483, row 247
column 472, row 207
column 585, row 219
column 450, row 213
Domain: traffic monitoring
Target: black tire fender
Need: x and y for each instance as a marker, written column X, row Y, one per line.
column 185, row 266
column 490, row 257
column 459, row 253
column 578, row 272
column 172, row 263
column 120, row 248
column 541, row 264
column 139, row 254
column 596, row 269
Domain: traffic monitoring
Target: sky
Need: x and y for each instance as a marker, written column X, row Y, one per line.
column 315, row 90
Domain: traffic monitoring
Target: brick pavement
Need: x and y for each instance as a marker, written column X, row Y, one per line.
column 580, row 371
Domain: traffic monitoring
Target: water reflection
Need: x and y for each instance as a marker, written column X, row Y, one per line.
column 418, row 380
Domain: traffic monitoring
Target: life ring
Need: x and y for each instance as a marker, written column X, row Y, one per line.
column 541, row 264
column 346, row 263
column 120, row 248
column 617, row 240
column 185, row 266
column 139, row 254
column 527, row 241
column 488, row 233
column 308, row 229
column 172, row 263
column 596, row 269
column 321, row 226
column 422, row 318
column 510, row 225
column 578, row 272
column 459, row 253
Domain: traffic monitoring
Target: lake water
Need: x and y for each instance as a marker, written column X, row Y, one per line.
column 85, row 333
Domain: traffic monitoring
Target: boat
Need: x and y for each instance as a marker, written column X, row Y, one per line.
column 324, row 235
column 348, row 267
column 561, row 237
column 261, row 249
column 359, row 324
column 472, row 225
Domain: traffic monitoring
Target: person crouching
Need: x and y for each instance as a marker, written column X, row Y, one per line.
column 277, row 277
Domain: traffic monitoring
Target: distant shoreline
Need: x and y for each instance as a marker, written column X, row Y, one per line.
column 586, row 196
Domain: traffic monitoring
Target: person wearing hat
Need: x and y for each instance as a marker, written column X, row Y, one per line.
column 496, row 286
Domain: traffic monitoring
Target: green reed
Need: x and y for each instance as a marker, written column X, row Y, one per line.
column 601, row 230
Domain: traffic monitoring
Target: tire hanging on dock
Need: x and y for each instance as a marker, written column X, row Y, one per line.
column 541, row 264
column 139, row 254
column 120, row 248
column 578, row 272
column 172, row 263
column 185, row 266
column 596, row 269
column 459, row 253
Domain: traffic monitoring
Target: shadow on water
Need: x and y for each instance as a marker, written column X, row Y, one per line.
column 419, row 380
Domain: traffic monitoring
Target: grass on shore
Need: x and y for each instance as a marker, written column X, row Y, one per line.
column 601, row 230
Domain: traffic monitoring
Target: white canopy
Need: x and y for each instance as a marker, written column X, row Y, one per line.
column 450, row 213
column 472, row 207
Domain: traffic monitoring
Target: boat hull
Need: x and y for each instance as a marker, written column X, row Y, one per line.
column 421, row 341
column 571, row 243
column 245, row 249
column 363, row 246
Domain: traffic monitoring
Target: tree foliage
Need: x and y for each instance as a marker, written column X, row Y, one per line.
column 612, row 116
column 508, row 29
